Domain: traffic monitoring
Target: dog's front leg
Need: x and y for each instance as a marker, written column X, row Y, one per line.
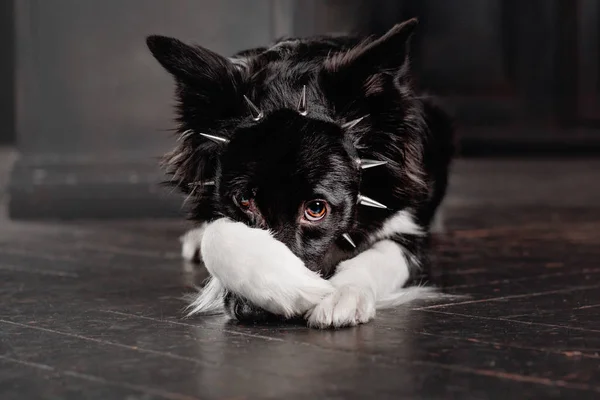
column 259, row 269
column 191, row 242
column 359, row 283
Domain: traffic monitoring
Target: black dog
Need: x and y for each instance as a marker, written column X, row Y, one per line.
column 323, row 142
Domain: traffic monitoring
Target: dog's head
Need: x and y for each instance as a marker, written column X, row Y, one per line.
column 275, row 137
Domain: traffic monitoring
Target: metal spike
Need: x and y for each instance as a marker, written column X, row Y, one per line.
column 202, row 183
column 217, row 139
column 366, row 163
column 353, row 123
column 349, row 239
column 302, row 108
column 366, row 201
column 254, row 110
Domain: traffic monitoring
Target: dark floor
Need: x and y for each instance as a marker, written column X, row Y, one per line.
column 94, row 310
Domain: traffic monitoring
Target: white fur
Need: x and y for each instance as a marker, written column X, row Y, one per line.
column 190, row 242
column 209, row 300
column 408, row 294
column 374, row 275
column 253, row 264
column 402, row 222
column 347, row 306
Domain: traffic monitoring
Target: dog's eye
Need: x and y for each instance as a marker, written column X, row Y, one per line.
column 315, row 210
column 243, row 201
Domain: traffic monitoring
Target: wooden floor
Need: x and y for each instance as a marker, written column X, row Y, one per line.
column 93, row 310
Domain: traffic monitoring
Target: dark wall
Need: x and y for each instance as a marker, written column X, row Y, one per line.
column 88, row 85
column 95, row 109
column 521, row 77
column 7, row 99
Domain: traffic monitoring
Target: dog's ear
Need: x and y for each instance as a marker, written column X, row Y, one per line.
column 189, row 64
column 389, row 52
column 208, row 83
column 363, row 69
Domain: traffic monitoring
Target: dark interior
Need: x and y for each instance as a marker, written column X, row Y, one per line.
column 91, row 278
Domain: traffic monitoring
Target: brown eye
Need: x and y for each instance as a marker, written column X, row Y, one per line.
column 243, row 201
column 315, row 210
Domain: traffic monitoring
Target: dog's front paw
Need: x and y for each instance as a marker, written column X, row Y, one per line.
column 190, row 244
column 346, row 306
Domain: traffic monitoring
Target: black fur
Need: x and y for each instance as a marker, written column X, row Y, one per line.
column 286, row 159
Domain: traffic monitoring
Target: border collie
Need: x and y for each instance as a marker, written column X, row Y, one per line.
column 313, row 169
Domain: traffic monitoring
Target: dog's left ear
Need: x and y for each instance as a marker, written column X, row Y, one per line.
column 352, row 74
column 389, row 52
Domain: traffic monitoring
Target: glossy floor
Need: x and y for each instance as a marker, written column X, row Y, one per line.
column 94, row 310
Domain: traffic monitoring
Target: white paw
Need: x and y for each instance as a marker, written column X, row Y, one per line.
column 346, row 306
column 190, row 243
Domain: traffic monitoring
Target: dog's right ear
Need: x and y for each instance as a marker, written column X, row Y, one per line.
column 193, row 65
column 208, row 84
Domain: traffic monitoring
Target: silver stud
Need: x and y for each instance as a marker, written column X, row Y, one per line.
column 349, row 239
column 257, row 114
column 202, row 183
column 302, row 108
column 217, row 139
column 366, row 201
column 353, row 123
column 366, row 163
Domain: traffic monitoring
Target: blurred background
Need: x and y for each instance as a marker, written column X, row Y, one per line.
column 86, row 111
